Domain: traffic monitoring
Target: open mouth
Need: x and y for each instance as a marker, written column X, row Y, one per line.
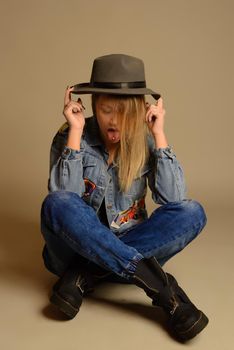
column 113, row 134
column 113, row 129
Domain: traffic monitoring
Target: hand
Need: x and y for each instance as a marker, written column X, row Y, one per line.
column 73, row 111
column 155, row 117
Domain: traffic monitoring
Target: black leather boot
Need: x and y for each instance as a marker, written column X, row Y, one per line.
column 69, row 290
column 185, row 320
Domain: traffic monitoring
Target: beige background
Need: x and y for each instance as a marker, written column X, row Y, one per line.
column 187, row 47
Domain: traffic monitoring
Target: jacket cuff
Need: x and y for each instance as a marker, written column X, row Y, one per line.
column 70, row 154
column 164, row 152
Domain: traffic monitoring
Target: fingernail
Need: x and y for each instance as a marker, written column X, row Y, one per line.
column 79, row 100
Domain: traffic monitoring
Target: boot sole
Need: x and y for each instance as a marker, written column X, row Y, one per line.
column 196, row 328
column 63, row 305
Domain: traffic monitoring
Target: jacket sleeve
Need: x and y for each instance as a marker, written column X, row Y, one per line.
column 66, row 168
column 166, row 177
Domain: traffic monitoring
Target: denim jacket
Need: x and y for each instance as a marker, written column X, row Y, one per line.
column 87, row 173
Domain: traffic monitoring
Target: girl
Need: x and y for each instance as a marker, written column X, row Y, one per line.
column 94, row 219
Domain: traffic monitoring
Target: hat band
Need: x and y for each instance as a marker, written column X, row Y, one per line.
column 130, row 85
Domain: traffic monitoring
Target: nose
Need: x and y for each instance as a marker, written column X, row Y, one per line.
column 114, row 119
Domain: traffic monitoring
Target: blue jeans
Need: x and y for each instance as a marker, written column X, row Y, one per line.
column 72, row 229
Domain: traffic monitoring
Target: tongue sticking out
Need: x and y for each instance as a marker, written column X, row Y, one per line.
column 113, row 135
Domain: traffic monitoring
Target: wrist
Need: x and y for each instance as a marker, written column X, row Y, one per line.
column 74, row 138
column 75, row 130
column 160, row 140
column 158, row 133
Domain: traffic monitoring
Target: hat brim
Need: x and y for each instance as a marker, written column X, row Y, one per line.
column 77, row 89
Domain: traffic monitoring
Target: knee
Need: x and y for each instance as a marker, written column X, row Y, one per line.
column 194, row 212
column 60, row 199
column 57, row 202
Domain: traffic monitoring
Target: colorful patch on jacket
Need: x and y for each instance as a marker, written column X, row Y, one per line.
column 89, row 187
column 134, row 213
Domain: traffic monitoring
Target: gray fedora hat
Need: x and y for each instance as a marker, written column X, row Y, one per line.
column 116, row 74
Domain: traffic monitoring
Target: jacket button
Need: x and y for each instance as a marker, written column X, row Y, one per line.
column 109, row 206
column 67, row 151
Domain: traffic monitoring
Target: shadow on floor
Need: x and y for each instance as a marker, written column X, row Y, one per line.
column 141, row 310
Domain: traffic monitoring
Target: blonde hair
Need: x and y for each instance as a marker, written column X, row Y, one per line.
column 132, row 152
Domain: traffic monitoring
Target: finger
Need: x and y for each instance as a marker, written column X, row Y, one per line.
column 148, row 109
column 67, row 97
column 153, row 107
column 154, row 110
column 159, row 102
column 74, row 106
column 147, row 116
column 75, row 110
column 81, row 103
column 151, row 110
column 150, row 116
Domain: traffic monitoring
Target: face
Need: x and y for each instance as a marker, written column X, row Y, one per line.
column 107, row 111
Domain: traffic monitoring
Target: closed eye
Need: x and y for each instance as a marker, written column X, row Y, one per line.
column 106, row 111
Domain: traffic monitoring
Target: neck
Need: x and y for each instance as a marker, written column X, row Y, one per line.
column 111, row 148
